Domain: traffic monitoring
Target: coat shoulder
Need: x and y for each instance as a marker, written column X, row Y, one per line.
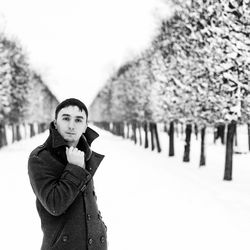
column 38, row 150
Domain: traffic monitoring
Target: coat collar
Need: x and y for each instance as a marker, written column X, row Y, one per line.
column 90, row 135
column 57, row 140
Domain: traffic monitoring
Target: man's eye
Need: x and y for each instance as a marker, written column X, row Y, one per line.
column 78, row 120
column 65, row 118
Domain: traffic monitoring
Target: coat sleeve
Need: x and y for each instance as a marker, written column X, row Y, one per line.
column 56, row 191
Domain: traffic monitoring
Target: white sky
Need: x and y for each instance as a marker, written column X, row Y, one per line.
column 77, row 44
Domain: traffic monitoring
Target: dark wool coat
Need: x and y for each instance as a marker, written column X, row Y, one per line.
column 66, row 200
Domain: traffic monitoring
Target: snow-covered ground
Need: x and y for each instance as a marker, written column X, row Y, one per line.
column 148, row 200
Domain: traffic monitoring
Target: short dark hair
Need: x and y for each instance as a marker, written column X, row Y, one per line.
column 71, row 102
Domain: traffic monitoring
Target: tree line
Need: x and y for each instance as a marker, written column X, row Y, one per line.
column 195, row 72
column 25, row 100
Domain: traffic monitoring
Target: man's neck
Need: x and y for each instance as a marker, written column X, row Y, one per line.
column 72, row 144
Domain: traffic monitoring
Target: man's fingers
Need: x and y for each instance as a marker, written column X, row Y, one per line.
column 75, row 156
column 72, row 150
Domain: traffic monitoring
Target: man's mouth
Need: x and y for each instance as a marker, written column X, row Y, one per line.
column 70, row 133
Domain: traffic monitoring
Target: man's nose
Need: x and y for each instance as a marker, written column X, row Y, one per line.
column 71, row 124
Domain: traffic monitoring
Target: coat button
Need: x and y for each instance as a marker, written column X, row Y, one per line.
column 102, row 239
column 88, row 216
column 90, row 241
column 65, row 238
column 99, row 215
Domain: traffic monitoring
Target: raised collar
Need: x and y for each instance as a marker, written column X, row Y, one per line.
column 57, row 140
column 90, row 135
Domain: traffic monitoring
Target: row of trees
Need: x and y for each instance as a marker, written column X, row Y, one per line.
column 196, row 71
column 24, row 98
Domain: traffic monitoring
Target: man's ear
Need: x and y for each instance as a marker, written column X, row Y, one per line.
column 55, row 124
column 85, row 127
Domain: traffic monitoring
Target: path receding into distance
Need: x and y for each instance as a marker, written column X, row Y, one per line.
column 148, row 200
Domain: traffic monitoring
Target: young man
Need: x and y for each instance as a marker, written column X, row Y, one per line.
column 61, row 174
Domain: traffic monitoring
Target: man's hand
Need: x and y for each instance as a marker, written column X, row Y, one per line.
column 75, row 156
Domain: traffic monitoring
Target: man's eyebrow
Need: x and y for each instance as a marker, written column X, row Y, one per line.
column 78, row 116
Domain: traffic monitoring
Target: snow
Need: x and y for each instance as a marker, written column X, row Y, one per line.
column 148, row 199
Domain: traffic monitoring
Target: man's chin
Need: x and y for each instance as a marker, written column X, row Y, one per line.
column 69, row 139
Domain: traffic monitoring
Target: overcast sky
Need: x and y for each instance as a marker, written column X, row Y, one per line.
column 77, row 44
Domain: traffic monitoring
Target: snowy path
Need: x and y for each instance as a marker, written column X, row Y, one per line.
column 148, row 200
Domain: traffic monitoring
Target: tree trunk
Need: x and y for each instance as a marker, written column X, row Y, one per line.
column 171, row 139
column 203, row 157
column 145, row 126
column 151, row 129
column 128, row 129
column 157, row 138
column 1, row 135
column 118, row 131
column 196, row 131
column 18, row 133
column 122, row 129
column 140, row 137
column 186, row 157
column 134, row 132
column 32, row 130
column 235, row 137
column 115, row 128
column 222, row 133
column 13, row 133
column 118, row 128
column 39, row 128
column 165, row 129
column 248, row 126
column 4, row 136
column 229, row 151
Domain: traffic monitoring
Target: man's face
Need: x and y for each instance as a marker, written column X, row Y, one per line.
column 71, row 123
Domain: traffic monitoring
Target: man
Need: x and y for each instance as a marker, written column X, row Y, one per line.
column 61, row 174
